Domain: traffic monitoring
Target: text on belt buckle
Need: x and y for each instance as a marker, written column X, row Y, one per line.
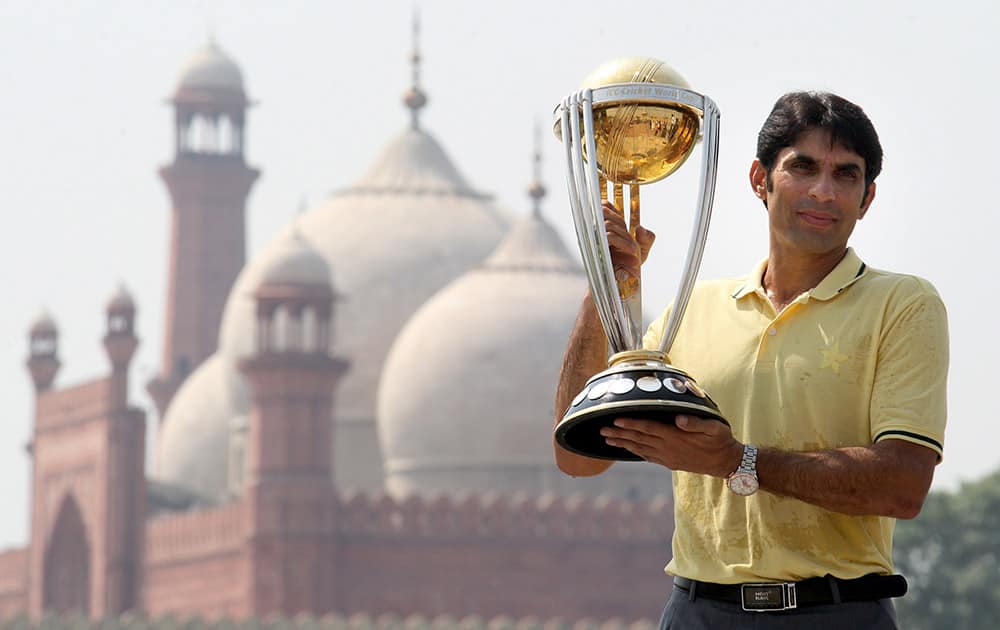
column 768, row 597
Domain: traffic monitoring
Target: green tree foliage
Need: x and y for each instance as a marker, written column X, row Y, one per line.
column 950, row 555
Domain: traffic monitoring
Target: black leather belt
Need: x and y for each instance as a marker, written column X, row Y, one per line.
column 771, row 596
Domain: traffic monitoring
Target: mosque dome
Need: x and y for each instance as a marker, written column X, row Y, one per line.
column 404, row 230
column 210, row 69
column 192, row 446
column 485, row 350
column 465, row 403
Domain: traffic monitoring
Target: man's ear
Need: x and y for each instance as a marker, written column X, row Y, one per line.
column 867, row 201
column 758, row 180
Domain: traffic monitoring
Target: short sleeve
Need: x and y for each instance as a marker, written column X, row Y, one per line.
column 909, row 391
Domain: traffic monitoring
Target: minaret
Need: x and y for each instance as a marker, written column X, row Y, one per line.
column 125, row 481
column 208, row 181
column 288, row 487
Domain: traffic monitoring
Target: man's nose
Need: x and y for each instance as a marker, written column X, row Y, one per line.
column 822, row 188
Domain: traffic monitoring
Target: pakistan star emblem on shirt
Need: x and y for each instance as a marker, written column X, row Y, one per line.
column 832, row 358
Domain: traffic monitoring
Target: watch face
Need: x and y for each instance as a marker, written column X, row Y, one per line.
column 743, row 484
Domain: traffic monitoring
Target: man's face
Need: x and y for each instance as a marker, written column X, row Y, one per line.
column 815, row 194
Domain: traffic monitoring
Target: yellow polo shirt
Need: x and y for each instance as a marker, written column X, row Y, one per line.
column 861, row 357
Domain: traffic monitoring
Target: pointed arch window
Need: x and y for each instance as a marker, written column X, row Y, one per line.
column 67, row 563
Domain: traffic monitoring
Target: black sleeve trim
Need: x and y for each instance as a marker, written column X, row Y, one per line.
column 916, row 436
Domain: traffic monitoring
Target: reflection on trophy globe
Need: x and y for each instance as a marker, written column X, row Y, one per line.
column 642, row 121
column 640, row 143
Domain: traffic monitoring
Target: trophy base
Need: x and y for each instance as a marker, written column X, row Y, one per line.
column 639, row 384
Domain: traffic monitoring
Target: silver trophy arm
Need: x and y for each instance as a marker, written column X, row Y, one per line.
column 570, row 129
column 589, row 225
column 625, row 314
column 699, row 233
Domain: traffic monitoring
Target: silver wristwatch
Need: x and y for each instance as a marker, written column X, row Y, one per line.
column 744, row 481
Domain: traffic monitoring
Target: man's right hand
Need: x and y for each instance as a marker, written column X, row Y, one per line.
column 627, row 253
column 587, row 350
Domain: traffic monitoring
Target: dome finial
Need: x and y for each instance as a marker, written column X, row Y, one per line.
column 414, row 98
column 537, row 189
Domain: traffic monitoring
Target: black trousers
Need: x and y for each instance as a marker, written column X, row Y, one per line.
column 683, row 612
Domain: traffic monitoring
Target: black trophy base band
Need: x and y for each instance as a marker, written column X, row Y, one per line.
column 656, row 393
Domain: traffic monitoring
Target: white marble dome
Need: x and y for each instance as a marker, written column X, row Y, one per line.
column 466, row 399
column 393, row 239
column 193, row 442
column 210, row 69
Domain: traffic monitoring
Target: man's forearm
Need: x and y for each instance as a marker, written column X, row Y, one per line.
column 890, row 478
column 586, row 354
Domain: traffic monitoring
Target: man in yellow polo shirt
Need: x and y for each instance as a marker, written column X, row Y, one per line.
column 832, row 375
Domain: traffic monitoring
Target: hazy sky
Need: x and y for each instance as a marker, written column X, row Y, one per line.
column 85, row 125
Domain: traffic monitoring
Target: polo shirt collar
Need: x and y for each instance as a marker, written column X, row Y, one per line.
column 847, row 272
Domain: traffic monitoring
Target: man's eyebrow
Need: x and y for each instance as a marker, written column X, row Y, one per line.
column 808, row 159
column 801, row 157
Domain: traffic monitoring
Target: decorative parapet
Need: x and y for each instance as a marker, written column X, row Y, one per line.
column 329, row 622
column 506, row 517
column 193, row 535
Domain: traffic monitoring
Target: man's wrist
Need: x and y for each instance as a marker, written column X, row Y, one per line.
column 732, row 460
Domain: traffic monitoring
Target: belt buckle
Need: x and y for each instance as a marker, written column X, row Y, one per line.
column 768, row 597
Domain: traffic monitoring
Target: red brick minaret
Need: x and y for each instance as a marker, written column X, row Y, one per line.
column 124, row 481
column 289, row 494
column 88, row 482
column 208, row 182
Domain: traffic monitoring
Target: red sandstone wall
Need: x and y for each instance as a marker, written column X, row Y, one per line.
column 194, row 564
column 546, row 557
column 13, row 582
column 73, row 405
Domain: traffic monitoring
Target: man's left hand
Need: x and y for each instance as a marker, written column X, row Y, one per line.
column 697, row 445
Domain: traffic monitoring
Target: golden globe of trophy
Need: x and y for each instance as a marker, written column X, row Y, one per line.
column 634, row 122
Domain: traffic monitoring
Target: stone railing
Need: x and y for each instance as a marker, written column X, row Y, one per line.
column 507, row 517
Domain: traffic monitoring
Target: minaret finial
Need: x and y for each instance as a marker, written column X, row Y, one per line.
column 414, row 98
column 210, row 24
column 537, row 189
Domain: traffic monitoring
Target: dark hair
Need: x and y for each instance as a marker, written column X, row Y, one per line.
column 847, row 123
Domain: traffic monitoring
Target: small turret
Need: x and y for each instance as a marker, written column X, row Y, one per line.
column 294, row 301
column 43, row 351
column 120, row 341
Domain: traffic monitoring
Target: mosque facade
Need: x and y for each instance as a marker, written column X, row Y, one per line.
column 345, row 425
